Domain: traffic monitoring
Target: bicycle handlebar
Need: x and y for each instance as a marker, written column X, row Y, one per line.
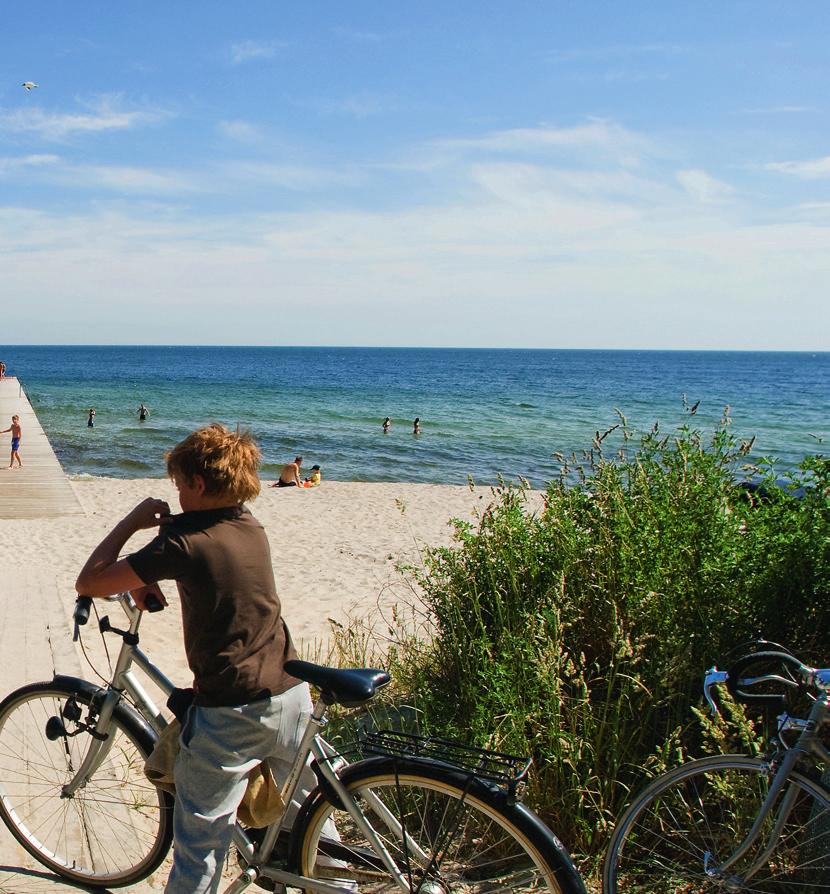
column 739, row 686
column 83, row 604
column 81, row 614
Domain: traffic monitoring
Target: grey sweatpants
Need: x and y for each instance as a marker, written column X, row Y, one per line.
column 219, row 747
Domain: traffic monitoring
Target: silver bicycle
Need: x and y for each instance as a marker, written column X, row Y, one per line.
column 732, row 823
column 400, row 814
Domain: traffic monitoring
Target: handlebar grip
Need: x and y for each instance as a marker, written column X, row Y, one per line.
column 152, row 603
column 83, row 605
column 775, row 700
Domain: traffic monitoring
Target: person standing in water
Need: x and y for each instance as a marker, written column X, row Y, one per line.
column 143, row 413
column 416, row 426
column 90, row 423
column 387, row 424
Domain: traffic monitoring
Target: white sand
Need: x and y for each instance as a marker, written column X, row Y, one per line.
column 335, row 548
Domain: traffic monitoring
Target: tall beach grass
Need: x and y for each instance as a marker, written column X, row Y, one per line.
column 579, row 632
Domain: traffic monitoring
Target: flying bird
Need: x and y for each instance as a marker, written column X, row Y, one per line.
column 29, row 84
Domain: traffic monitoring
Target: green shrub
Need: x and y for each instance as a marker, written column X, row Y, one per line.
column 580, row 633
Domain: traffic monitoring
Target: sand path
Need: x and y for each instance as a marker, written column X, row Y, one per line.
column 335, row 550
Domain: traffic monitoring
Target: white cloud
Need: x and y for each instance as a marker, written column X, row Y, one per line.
column 293, row 177
column 10, row 165
column 779, row 110
column 580, row 247
column 578, row 274
column 595, row 144
column 252, row 50
column 360, row 105
column 594, row 134
column 240, row 131
column 617, row 51
column 126, row 179
column 815, row 169
column 105, row 113
column 359, row 36
column 703, row 187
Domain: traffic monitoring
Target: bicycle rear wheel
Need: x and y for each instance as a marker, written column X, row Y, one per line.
column 114, row 831
column 696, row 816
column 443, row 835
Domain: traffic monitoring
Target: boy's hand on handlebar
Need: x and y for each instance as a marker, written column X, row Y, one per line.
column 149, row 598
column 149, row 513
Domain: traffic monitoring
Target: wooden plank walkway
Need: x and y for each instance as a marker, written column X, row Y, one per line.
column 35, row 643
column 35, row 629
column 40, row 489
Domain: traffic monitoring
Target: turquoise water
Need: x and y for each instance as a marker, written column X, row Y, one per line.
column 484, row 413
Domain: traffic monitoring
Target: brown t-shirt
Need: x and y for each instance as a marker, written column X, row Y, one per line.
column 234, row 636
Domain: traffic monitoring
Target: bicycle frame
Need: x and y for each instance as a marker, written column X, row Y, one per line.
column 808, row 744
column 124, row 681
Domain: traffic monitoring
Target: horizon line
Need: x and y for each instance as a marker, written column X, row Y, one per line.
column 12, row 346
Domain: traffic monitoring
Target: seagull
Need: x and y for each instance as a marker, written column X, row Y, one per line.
column 29, row 84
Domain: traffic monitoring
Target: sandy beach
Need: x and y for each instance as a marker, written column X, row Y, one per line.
column 335, row 549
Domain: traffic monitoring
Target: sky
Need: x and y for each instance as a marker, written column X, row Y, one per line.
column 474, row 174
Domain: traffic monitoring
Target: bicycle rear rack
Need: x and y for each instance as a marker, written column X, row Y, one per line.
column 506, row 770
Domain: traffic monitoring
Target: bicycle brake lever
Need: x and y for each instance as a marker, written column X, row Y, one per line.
column 712, row 678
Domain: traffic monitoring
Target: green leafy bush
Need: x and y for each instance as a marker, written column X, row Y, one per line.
column 580, row 633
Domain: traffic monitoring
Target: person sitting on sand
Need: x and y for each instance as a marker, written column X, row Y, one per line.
column 314, row 478
column 290, row 475
column 17, row 434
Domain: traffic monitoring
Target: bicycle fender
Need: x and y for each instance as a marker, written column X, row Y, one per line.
column 124, row 711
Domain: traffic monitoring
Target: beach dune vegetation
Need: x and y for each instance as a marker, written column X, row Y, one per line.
column 579, row 633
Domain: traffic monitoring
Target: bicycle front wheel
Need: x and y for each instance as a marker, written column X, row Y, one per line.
column 442, row 835
column 686, row 824
column 113, row 831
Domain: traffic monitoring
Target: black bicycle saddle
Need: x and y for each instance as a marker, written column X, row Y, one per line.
column 349, row 687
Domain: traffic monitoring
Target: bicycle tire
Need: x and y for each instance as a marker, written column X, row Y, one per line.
column 114, row 831
column 475, row 840
column 660, row 843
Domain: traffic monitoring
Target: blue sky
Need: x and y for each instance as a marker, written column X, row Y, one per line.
column 619, row 175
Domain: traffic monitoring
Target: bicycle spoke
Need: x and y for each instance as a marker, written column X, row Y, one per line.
column 468, row 850
column 112, row 828
column 711, row 810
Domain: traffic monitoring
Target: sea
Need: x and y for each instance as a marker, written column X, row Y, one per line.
column 485, row 414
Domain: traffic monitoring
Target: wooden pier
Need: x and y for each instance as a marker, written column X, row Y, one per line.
column 40, row 489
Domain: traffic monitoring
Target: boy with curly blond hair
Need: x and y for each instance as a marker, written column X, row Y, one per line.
column 247, row 709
